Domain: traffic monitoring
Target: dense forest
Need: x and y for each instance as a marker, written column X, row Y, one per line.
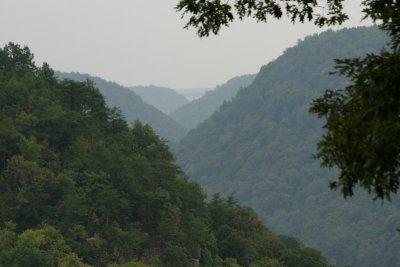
column 163, row 98
column 198, row 110
column 79, row 187
column 260, row 147
column 132, row 106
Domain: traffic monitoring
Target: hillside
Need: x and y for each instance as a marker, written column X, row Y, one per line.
column 79, row 187
column 132, row 106
column 260, row 147
column 191, row 114
column 164, row 99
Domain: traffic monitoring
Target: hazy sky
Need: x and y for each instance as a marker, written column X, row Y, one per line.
column 142, row 42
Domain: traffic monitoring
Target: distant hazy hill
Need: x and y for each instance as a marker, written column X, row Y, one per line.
column 164, row 99
column 260, row 147
column 191, row 114
column 133, row 107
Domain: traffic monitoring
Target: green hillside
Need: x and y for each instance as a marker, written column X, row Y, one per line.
column 198, row 110
column 78, row 187
column 260, row 147
column 164, row 99
column 132, row 106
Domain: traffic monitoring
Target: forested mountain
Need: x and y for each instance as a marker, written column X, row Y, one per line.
column 164, row 99
column 132, row 106
column 191, row 114
column 79, row 187
column 260, row 147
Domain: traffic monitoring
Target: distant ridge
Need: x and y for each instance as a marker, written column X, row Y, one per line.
column 165, row 99
column 191, row 114
column 132, row 106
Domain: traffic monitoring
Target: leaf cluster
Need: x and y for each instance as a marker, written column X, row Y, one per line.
column 362, row 120
column 363, row 125
column 209, row 16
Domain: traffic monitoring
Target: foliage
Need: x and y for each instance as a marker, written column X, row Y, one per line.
column 44, row 246
column 209, row 16
column 363, row 125
column 242, row 240
column 363, row 119
column 78, row 187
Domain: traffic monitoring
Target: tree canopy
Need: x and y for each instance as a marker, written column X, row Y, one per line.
column 362, row 120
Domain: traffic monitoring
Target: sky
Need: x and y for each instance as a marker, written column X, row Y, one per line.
column 142, row 42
